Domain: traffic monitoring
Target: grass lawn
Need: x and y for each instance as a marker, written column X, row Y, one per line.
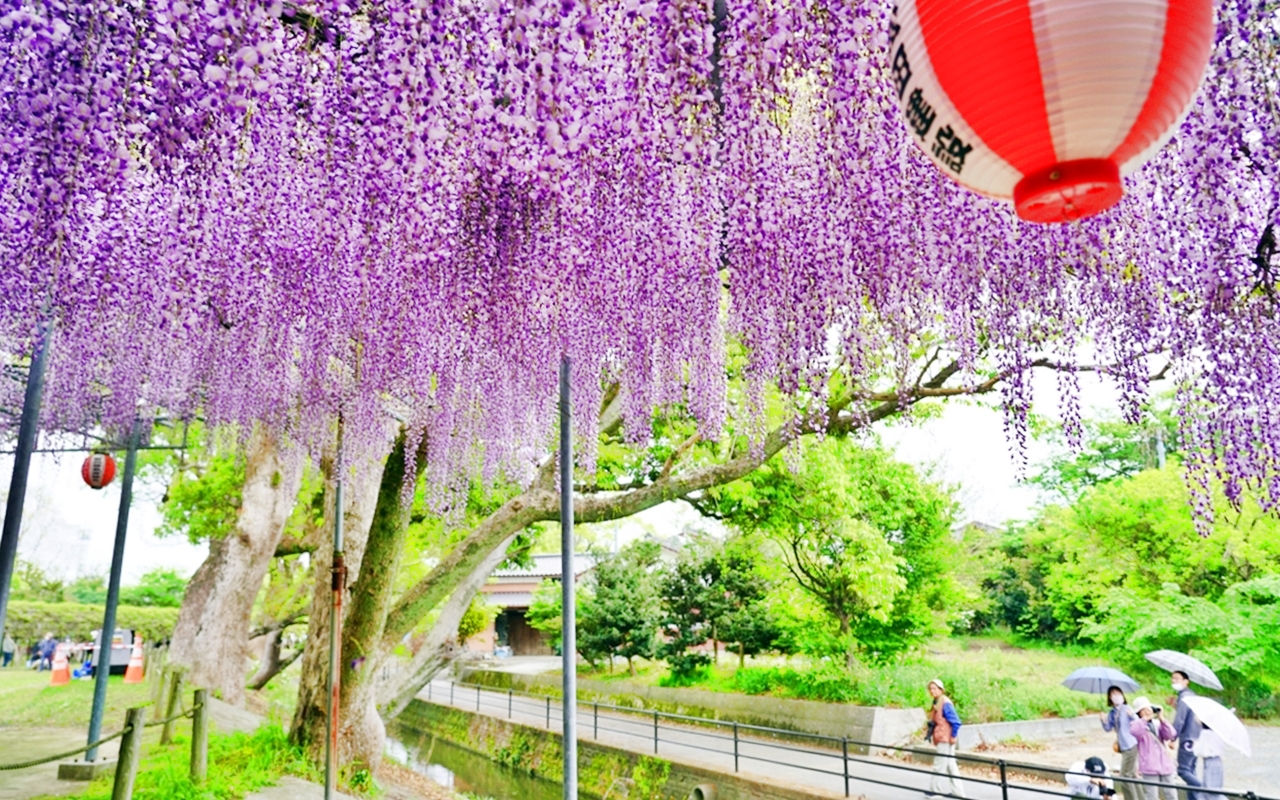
column 26, row 698
column 991, row 678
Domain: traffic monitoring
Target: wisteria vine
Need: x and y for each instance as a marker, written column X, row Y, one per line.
column 282, row 212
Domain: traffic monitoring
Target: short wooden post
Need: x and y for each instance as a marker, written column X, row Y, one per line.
column 200, row 737
column 171, row 705
column 130, row 753
column 158, row 675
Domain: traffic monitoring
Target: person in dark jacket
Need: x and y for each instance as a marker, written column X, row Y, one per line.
column 944, row 731
column 48, row 646
column 1187, row 727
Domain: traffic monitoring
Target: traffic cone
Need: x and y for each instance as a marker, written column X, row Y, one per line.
column 61, row 669
column 134, row 672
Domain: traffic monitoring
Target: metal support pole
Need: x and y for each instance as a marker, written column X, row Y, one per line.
column 735, row 747
column 1004, row 780
column 655, row 733
column 451, row 692
column 477, row 698
column 130, row 753
column 595, row 720
column 510, row 694
column 102, row 659
column 28, row 427
column 429, row 689
column 200, row 737
column 568, row 636
column 548, row 713
column 844, row 742
column 339, row 575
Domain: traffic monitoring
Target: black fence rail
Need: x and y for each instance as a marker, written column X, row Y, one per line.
column 840, row 758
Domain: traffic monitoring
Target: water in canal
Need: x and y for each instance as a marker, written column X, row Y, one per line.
column 463, row 770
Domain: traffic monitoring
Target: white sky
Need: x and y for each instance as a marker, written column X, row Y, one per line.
column 69, row 528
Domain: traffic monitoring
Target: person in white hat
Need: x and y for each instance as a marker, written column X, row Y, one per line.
column 944, row 730
column 1154, row 762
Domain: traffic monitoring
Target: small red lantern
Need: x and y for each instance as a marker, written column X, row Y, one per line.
column 1047, row 102
column 98, row 470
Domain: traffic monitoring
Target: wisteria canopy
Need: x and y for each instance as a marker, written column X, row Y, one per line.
column 279, row 212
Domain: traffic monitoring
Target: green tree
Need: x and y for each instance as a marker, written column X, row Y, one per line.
column 203, row 499
column 479, row 616
column 90, row 589
column 545, row 612
column 1135, row 534
column 684, row 619
column 30, row 582
column 738, row 591
column 162, row 588
column 860, row 532
column 1109, row 450
column 619, row 611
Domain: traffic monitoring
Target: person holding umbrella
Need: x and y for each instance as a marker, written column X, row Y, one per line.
column 1120, row 719
column 1187, row 727
column 1185, row 669
column 1113, row 683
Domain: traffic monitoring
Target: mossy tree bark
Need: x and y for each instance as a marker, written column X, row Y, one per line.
column 360, row 483
column 362, row 733
column 211, row 637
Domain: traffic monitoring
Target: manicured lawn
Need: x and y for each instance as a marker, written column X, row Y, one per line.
column 26, row 698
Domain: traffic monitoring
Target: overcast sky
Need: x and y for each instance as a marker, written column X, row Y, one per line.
column 68, row 527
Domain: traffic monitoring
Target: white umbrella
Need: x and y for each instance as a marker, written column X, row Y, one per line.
column 1221, row 719
column 1193, row 668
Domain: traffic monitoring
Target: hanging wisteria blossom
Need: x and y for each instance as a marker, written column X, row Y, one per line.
column 280, row 212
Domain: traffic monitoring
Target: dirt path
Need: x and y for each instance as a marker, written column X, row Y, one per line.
column 23, row 743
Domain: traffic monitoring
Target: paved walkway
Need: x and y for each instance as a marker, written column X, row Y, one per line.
column 807, row 767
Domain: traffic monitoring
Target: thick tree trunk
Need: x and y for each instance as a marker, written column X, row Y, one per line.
column 212, row 633
column 362, row 731
column 359, row 494
column 440, row 646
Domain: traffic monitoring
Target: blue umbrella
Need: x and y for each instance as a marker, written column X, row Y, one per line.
column 1097, row 680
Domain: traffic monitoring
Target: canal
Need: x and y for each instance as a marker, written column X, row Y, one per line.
column 462, row 770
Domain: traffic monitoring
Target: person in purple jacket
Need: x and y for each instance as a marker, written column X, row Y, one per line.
column 1154, row 762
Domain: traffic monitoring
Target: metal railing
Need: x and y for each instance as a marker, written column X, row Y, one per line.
column 840, row 757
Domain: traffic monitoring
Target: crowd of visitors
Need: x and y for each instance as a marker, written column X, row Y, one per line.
column 1159, row 758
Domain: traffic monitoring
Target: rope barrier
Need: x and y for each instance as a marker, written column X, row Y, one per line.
column 58, row 757
column 37, row 762
column 188, row 713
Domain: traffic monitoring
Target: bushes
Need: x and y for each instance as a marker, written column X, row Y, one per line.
column 28, row 621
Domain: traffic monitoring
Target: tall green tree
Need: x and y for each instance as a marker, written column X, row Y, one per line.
column 619, row 612
column 860, row 532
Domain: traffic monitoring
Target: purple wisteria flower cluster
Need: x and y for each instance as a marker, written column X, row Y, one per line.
column 281, row 212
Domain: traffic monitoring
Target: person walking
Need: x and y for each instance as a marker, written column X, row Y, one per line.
column 1154, row 762
column 1209, row 749
column 48, row 646
column 1187, row 726
column 1119, row 719
column 7, row 650
column 944, row 729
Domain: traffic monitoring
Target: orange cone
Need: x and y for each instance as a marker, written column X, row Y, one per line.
column 134, row 673
column 61, row 669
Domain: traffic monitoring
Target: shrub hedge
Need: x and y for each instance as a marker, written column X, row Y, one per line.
column 28, row 621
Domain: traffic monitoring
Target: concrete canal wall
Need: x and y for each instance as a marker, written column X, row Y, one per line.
column 605, row 773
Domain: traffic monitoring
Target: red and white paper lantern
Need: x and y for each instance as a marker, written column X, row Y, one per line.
column 98, row 470
column 1047, row 102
